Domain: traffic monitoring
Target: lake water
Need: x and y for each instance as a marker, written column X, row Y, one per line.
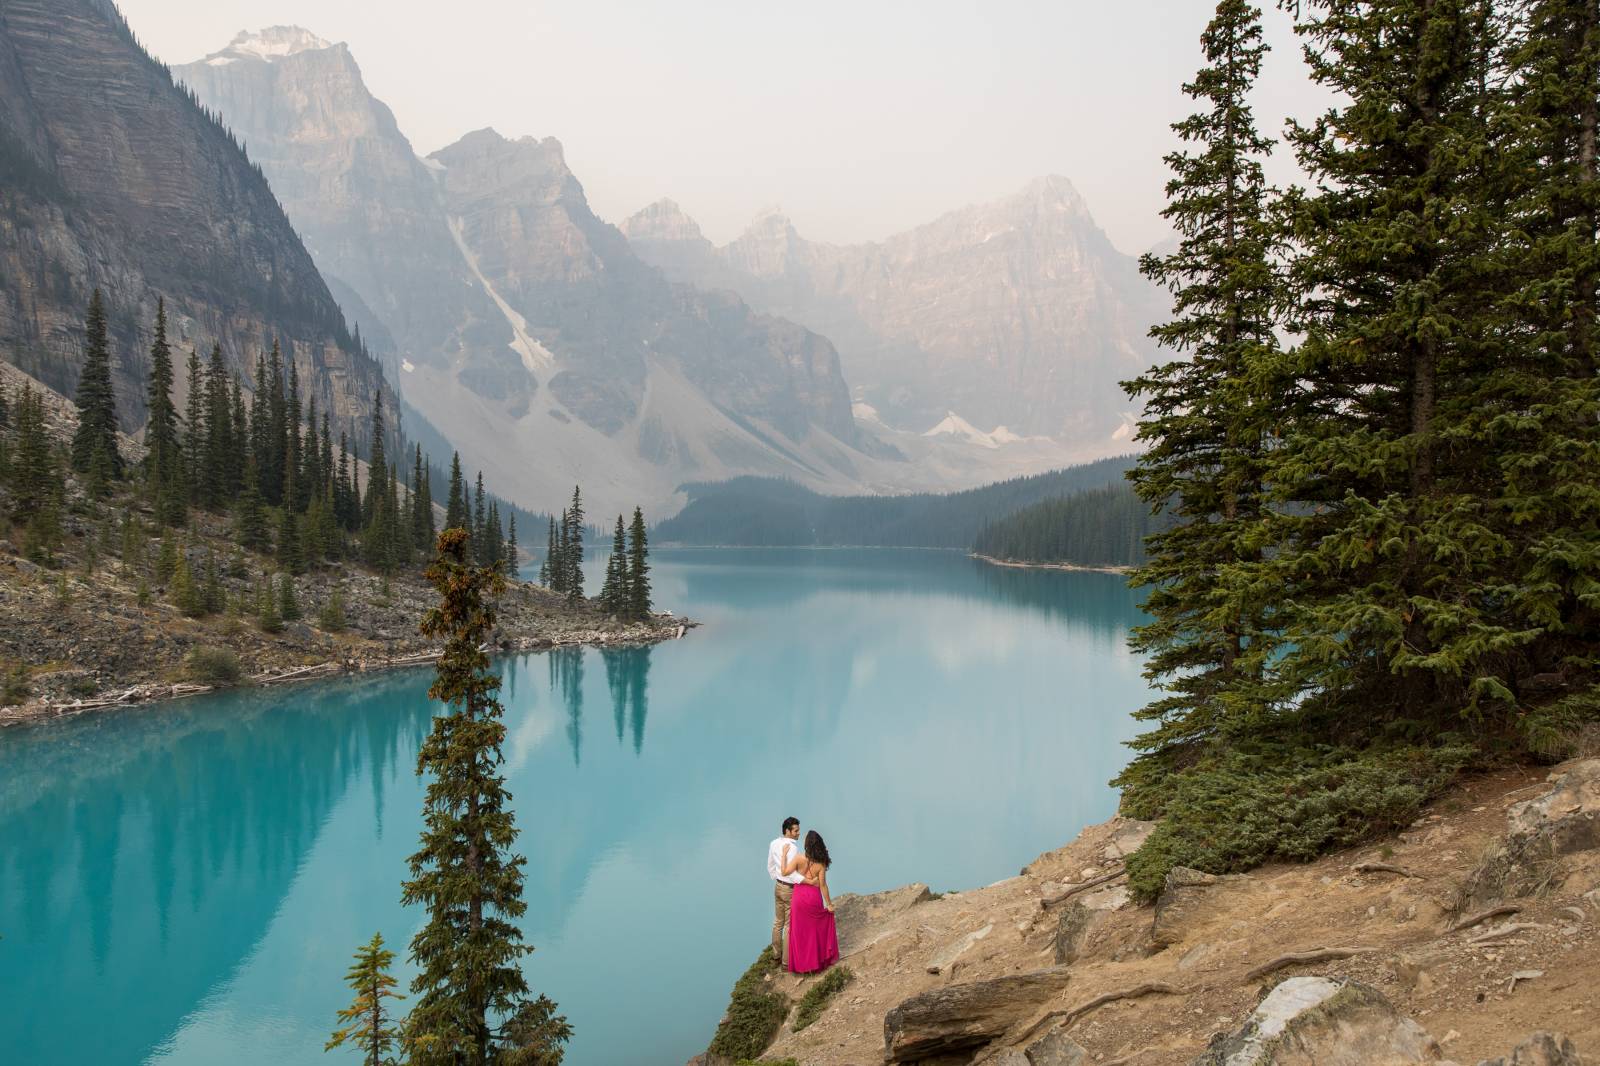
column 184, row 884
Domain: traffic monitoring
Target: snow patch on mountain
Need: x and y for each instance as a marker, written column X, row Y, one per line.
column 274, row 42
column 956, row 426
column 535, row 356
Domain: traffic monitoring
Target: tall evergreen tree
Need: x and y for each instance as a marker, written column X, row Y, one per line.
column 218, row 447
column 472, row 1001
column 277, row 429
column 457, row 515
column 94, row 445
column 365, row 1023
column 194, row 431
column 547, row 568
column 480, row 524
column 572, row 550
column 1209, row 412
column 1541, row 417
column 638, row 575
column 250, row 524
column 261, row 424
column 1390, row 553
column 377, row 463
column 513, row 560
column 239, row 443
column 422, row 531
column 614, row 593
column 31, row 466
column 164, row 456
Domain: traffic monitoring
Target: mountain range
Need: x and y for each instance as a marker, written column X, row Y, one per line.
column 553, row 347
column 1018, row 314
column 113, row 177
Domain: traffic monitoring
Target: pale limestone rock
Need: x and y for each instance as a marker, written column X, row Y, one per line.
column 1317, row 1021
column 1540, row 1049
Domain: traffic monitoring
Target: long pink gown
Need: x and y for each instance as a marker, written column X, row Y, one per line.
column 813, row 937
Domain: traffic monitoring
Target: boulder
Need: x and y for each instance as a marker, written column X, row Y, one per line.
column 952, row 951
column 1073, row 931
column 963, row 1017
column 862, row 919
column 1128, row 837
column 1540, row 1049
column 1564, row 820
column 1317, row 1021
column 1186, row 898
column 1055, row 1048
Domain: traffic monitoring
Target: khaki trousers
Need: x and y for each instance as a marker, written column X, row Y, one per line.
column 782, row 894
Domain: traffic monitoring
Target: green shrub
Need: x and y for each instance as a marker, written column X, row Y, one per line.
column 1237, row 810
column 817, row 997
column 218, row 667
column 755, row 1013
column 767, row 1062
column 82, row 687
column 331, row 619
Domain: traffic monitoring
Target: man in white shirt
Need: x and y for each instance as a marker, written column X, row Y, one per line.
column 781, row 854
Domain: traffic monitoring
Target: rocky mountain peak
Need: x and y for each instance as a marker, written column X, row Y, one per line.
column 663, row 220
column 768, row 246
column 270, row 44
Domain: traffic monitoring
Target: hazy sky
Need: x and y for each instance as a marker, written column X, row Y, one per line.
column 859, row 118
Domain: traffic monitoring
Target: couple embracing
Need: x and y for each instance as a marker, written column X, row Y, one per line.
column 801, row 900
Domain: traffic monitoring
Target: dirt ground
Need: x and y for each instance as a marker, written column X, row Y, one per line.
column 1461, row 992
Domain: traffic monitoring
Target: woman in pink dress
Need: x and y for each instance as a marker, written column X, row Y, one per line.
column 813, row 937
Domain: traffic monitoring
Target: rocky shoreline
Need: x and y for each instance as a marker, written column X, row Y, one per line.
column 1450, row 942
column 90, row 646
column 1019, row 565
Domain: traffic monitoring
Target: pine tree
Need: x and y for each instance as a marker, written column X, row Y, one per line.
column 471, row 995
column 291, row 551
column 422, row 531
column 365, row 1022
column 1386, row 545
column 273, row 469
column 293, row 457
column 1540, row 417
column 94, row 445
column 331, row 618
column 288, row 602
column 513, row 561
column 238, row 442
column 185, row 594
column 213, row 598
column 638, row 575
column 250, row 524
column 213, row 481
column 494, row 548
column 348, row 513
column 1209, row 412
column 167, row 557
column 164, row 458
column 260, row 451
column 194, row 433
column 572, row 549
column 377, row 464
column 547, row 568
column 267, row 616
column 32, row 466
column 480, row 525
column 614, row 593
column 456, row 514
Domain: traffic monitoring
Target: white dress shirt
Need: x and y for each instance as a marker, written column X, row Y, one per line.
column 777, row 860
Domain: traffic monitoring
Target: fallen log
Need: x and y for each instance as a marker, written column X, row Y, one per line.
column 1060, row 897
column 1483, row 916
column 1295, row 958
column 1382, row 868
column 1500, row 932
column 1072, row 1014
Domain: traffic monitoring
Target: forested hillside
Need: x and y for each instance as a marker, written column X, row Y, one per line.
column 767, row 512
column 1096, row 527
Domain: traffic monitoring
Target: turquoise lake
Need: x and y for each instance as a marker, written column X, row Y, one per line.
column 184, row 884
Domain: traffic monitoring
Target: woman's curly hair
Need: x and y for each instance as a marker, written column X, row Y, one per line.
column 816, row 850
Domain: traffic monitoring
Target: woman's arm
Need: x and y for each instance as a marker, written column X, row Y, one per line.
column 796, row 861
column 827, row 897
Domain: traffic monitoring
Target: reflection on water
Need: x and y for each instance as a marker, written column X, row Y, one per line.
column 194, row 877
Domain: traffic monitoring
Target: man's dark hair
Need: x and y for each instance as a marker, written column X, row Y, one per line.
column 790, row 823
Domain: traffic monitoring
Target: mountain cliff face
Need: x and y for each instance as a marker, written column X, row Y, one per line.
column 526, row 328
column 112, row 176
column 1017, row 314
